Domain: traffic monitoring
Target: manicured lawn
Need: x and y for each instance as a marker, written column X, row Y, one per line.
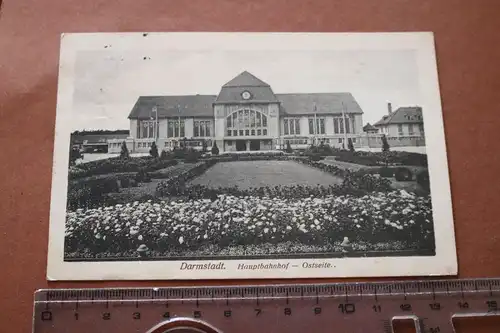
column 248, row 174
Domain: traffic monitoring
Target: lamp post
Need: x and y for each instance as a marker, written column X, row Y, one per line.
column 155, row 131
column 344, row 120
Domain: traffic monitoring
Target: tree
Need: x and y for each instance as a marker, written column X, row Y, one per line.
column 385, row 144
column 154, row 150
column 124, row 152
column 288, row 147
column 350, row 145
column 215, row 149
column 204, row 146
column 74, row 155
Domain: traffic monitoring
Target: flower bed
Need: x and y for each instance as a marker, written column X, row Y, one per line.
column 90, row 191
column 267, row 156
column 381, row 158
column 174, row 227
column 358, row 180
column 117, row 164
column 172, row 185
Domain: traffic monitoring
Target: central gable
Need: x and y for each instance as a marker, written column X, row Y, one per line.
column 259, row 91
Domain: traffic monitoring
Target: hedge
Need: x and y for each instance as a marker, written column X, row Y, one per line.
column 116, row 164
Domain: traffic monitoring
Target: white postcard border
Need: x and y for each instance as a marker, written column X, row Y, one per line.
column 443, row 263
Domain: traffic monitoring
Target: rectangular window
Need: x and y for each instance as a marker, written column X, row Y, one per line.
column 170, row 131
column 259, row 121
column 229, row 122
column 182, row 129
column 341, row 125
column 297, row 126
column 259, row 132
column 151, row 133
column 196, row 129
column 202, row 128
column 264, row 121
column 311, row 126
column 353, row 140
column 235, row 132
column 208, row 125
column 341, row 140
column 353, row 125
column 285, row 123
column 247, row 132
column 410, row 129
column 347, row 127
column 400, row 129
column 241, row 133
column 321, row 126
column 229, row 132
column 147, row 129
column 336, row 125
column 253, row 132
column 421, row 128
column 264, row 131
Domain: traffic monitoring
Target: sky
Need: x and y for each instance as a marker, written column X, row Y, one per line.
column 108, row 83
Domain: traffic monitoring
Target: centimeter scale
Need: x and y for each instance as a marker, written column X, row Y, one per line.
column 433, row 306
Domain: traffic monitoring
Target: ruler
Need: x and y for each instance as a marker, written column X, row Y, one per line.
column 430, row 306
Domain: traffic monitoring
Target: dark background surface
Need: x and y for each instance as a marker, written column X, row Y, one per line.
column 468, row 52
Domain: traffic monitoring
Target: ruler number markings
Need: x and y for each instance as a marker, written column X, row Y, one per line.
column 441, row 296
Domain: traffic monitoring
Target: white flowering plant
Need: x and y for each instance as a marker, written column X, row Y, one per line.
column 174, row 227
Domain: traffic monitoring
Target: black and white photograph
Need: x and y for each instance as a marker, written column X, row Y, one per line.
column 249, row 155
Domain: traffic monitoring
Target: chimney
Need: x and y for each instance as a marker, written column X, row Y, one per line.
column 389, row 108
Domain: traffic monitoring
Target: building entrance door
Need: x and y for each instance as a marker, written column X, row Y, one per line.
column 241, row 145
column 255, row 145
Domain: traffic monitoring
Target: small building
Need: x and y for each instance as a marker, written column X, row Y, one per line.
column 245, row 115
column 95, row 142
column 370, row 129
column 406, row 121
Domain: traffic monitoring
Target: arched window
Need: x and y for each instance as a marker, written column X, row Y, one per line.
column 246, row 122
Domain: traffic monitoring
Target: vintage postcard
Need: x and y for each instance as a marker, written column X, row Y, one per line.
column 249, row 155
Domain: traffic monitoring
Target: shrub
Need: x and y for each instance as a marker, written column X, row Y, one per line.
column 316, row 157
column 350, row 145
column 412, row 159
column 115, row 165
column 154, row 150
column 124, row 154
column 142, row 176
column 403, row 174
column 423, row 179
column 179, row 153
column 215, row 149
column 191, row 156
column 385, row 144
column 356, row 159
column 90, row 191
column 74, row 155
column 386, row 172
